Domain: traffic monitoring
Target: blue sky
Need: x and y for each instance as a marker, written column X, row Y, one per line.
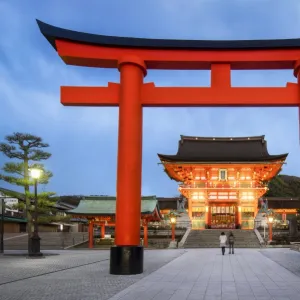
column 83, row 141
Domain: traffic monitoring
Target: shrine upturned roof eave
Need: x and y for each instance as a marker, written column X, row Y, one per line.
column 219, row 160
column 52, row 33
column 227, row 150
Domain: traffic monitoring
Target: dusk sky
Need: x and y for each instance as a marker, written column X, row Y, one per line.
column 83, row 141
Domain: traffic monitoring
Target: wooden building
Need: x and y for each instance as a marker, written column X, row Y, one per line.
column 101, row 211
column 222, row 178
column 14, row 220
column 167, row 204
column 287, row 207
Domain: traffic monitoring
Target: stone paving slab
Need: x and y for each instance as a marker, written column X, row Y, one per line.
column 169, row 274
column 206, row 274
column 72, row 275
column 288, row 259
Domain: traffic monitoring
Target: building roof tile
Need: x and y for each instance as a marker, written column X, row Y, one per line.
column 222, row 149
column 106, row 205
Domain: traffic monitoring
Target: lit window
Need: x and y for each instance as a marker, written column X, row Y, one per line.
column 223, row 174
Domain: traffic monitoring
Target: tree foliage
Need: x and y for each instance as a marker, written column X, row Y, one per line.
column 284, row 186
column 26, row 151
column 24, row 146
column 17, row 169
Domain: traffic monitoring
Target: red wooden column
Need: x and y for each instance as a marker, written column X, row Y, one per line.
column 209, row 216
column 190, row 207
column 239, row 209
column 270, row 231
column 91, row 234
column 283, row 216
column 173, row 232
column 127, row 255
column 206, row 213
column 102, row 231
column 255, row 209
column 237, row 220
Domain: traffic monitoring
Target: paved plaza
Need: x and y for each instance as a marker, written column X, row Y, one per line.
column 169, row 274
column 71, row 275
column 206, row 274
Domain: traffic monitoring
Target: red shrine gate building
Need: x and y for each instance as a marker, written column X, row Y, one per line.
column 222, row 178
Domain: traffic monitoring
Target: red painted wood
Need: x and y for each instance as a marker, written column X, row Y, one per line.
column 129, row 175
column 173, row 232
column 91, row 234
column 80, row 54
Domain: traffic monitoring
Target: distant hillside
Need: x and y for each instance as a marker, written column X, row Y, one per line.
column 284, row 186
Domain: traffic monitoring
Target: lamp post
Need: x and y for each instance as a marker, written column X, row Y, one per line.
column 2, row 225
column 270, row 219
column 35, row 239
column 172, row 216
column 173, row 223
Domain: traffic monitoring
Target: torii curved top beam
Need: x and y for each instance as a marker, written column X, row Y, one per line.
column 52, row 33
column 85, row 49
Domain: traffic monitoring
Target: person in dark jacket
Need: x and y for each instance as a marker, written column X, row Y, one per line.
column 231, row 239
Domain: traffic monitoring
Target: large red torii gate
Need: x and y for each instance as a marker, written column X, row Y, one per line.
column 133, row 56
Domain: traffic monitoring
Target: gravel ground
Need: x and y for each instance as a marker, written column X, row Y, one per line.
column 71, row 275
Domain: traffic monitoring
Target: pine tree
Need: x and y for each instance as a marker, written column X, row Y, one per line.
column 26, row 150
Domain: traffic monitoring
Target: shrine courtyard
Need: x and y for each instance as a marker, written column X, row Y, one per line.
column 169, row 274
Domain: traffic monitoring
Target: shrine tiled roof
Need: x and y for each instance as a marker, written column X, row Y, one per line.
column 106, row 205
column 68, row 202
column 167, row 203
column 222, row 149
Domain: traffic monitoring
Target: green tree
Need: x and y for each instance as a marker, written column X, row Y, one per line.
column 284, row 186
column 26, row 150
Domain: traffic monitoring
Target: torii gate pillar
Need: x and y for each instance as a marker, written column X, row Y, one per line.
column 127, row 255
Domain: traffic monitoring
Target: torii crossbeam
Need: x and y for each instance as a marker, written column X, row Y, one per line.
column 133, row 57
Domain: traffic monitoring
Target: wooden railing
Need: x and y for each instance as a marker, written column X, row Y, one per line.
column 240, row 185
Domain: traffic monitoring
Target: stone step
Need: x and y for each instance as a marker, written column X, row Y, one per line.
column 212, row 246
column 210, row 239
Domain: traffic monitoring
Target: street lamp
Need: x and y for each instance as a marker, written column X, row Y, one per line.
column 270, row 219
column 35, row 239
column 173, row 223
column 2, row 223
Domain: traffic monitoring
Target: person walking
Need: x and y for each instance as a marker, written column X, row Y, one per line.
column 223, row 240
column 231, row 242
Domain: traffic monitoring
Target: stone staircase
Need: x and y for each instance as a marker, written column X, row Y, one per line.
column 49, row 240
column 209, row 238
column 184, row 221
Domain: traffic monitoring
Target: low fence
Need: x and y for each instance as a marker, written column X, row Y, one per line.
column 156, row 232
column 295, row 246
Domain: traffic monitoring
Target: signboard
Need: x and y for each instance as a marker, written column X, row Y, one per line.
column 9, row 203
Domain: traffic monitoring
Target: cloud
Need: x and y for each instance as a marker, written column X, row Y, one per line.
column 83, row 140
